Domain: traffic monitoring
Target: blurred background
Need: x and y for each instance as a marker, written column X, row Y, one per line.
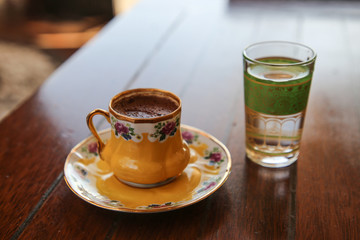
column 36, row 36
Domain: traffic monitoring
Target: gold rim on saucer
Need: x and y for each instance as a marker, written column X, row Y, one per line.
column 213, row 163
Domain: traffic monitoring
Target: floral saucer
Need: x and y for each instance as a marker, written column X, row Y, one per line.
column 91, row 179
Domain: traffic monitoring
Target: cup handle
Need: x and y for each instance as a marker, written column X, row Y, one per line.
column 90, row 124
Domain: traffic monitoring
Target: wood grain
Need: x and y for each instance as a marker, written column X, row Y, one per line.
column 328, row 194
column 68, row 217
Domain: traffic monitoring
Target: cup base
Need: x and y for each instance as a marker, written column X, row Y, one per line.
column 152, row 185
column 272, row 160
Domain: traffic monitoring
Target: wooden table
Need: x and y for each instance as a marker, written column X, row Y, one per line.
column 194, row 49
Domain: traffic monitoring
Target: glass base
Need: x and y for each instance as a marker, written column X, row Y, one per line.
column 272, row 160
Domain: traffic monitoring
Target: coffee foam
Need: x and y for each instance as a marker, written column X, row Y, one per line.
column 145, row 105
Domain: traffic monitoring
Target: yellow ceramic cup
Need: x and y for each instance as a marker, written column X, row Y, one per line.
column 143, row 152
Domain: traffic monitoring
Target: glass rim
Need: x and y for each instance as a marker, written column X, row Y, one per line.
column 310, row 60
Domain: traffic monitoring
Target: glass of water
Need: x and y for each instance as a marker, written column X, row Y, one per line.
column 277, row 80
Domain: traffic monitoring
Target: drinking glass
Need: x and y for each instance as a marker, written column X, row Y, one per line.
column 277, row 80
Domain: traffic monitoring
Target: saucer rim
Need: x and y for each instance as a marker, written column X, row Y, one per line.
column 154, row 210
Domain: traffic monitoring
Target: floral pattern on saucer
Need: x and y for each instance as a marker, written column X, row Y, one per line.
column 209, row 184
column 189, row 137
column 83, row 182
column 90, row 150
column 215, row 157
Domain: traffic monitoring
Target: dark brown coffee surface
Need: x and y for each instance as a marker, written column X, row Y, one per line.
column 145, row 106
